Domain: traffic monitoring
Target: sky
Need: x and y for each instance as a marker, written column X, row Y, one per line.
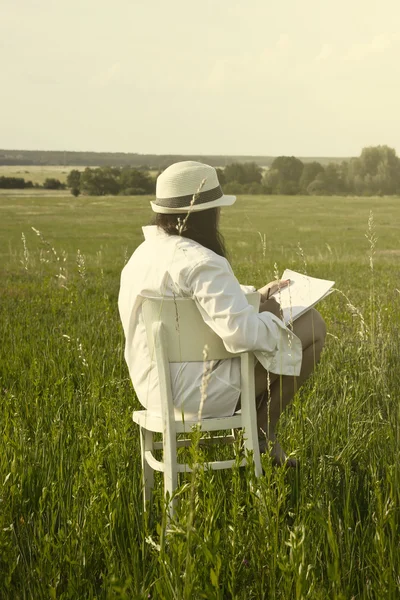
column 229, row 77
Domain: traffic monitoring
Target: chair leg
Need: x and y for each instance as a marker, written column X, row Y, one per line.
column 146, row 443
column 251, row 443
column 170, row 472
column 249, row 409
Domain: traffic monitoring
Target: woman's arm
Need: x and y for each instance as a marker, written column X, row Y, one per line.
column 226, row 310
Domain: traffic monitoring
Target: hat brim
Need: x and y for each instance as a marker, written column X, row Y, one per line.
column 166, row 210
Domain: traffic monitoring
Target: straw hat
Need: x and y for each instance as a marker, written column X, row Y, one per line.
column 189, row 186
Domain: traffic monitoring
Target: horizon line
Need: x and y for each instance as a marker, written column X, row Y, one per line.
column 174, row 153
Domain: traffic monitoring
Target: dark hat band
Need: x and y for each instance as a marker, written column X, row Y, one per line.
column 185, row 201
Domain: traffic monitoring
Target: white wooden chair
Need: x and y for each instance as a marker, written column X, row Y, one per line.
column 176, row 332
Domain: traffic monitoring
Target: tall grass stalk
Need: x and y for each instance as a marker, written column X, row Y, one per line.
column 372, row 240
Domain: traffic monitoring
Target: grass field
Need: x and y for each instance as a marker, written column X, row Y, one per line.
column 71, row 518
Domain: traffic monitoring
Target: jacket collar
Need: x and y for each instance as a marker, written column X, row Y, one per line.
column 152, row 231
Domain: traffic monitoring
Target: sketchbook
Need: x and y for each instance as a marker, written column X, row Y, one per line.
column 301, row 294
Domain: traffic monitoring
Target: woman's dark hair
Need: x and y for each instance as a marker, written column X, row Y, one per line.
column 202, row 227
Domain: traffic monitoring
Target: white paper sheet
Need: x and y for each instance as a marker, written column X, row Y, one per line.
column 302, row 294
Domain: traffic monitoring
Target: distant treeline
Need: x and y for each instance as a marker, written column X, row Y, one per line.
column 111, row 181
column 19, row 183
column 375, row 172
column 155, row 162
column 15, row 183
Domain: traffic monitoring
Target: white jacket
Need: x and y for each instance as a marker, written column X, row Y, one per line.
column 168, row 265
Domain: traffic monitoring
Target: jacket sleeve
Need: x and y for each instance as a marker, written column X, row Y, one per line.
column 225, row 309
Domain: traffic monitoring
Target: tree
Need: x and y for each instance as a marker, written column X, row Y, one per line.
column 99, row 182
column 221, row 176
column 243, row 173
column 318, row 187
column 284, row 175
column 234, row 187
column 375, row 171
column 253, row 173
column 74, row 179
column 135, row 182
column 255, row 188
column 333, row 180
column 271, row 181
column 310, row 172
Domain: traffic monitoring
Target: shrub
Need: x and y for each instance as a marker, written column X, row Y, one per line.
column 53, row 184
column 132, row 191
column 14, row 183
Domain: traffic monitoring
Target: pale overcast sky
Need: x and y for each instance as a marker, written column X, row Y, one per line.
column 303, row 77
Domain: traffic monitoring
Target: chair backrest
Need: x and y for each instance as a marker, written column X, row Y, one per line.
column 176, row 332
column 186, row 333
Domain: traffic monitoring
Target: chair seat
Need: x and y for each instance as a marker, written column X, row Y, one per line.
column 153, row 422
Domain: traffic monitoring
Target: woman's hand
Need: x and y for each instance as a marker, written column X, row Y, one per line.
column 271, row 288
column 272, row 306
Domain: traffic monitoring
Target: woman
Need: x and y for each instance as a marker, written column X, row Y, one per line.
column 183, row 255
